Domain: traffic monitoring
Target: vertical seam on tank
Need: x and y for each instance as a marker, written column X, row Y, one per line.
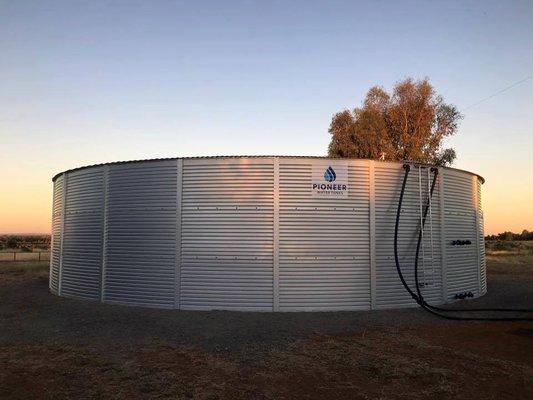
column 275, row 238
column 481, row 233
column 476, row 221
column 62, row 240
column 372, row 233
column 177, row 267
column 443, row 236
column 104, row 233
column 52, row 239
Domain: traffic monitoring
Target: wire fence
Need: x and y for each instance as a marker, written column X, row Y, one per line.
column 6, row 256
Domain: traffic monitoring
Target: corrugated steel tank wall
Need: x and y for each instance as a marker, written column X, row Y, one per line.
column 227, row 211
column 248, row 233
column 324, row 243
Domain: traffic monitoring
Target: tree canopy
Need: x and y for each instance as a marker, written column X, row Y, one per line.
column 408, row 124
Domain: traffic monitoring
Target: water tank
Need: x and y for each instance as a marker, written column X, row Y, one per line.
column 263, row 234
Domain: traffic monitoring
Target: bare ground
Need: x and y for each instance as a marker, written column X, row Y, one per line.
column 56, row 348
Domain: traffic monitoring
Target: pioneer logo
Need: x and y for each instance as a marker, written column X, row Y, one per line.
column 329, row 188
column 330, row 174
column 327, row 182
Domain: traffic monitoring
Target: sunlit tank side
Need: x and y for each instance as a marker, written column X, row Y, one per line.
column 260, row 234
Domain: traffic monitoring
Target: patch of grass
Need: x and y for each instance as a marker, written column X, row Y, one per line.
column 503, row 247
column 512, row 258
column 383, row 363
column 514, row 265
column 437, row 361
column 13, row 271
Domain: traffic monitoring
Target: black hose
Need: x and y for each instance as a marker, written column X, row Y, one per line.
column 417, row 284
column 418, row 296
column 396, row 227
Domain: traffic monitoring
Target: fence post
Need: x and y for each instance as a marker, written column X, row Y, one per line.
column 14, row 256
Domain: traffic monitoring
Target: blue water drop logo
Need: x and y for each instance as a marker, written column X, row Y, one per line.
column 330, row 175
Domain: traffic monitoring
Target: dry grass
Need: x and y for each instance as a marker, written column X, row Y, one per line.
column 498, row 247
column 23, row 270
column 437, row 361
column 514, row 259
column 375, row 364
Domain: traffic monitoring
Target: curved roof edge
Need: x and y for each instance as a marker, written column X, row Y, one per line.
column 267, row 156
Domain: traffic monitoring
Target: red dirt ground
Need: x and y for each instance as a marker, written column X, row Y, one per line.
column 54, row 348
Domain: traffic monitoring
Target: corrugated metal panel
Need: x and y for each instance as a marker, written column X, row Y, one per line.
column 390, row 292
column 141, row 234
column 235, row 214
column 460, row 224
column 227, row 231
column 57, row 212
column 481, row 233
column 324, row 243
column 82, row 244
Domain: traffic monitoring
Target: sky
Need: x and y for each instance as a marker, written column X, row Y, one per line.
column 97, row 81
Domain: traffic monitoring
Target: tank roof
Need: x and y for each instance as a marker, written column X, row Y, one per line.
column 252, row 156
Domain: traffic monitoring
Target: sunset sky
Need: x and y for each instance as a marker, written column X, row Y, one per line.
column 90, row 82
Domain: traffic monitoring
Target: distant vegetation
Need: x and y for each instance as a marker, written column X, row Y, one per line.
column 510, row 243
column 24, row 242
column 508, row 236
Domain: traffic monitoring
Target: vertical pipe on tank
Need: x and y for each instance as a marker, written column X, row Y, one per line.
column 421, row 224
column 430, row 203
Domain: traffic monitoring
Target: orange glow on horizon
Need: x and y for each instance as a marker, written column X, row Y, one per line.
column 27, row 206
